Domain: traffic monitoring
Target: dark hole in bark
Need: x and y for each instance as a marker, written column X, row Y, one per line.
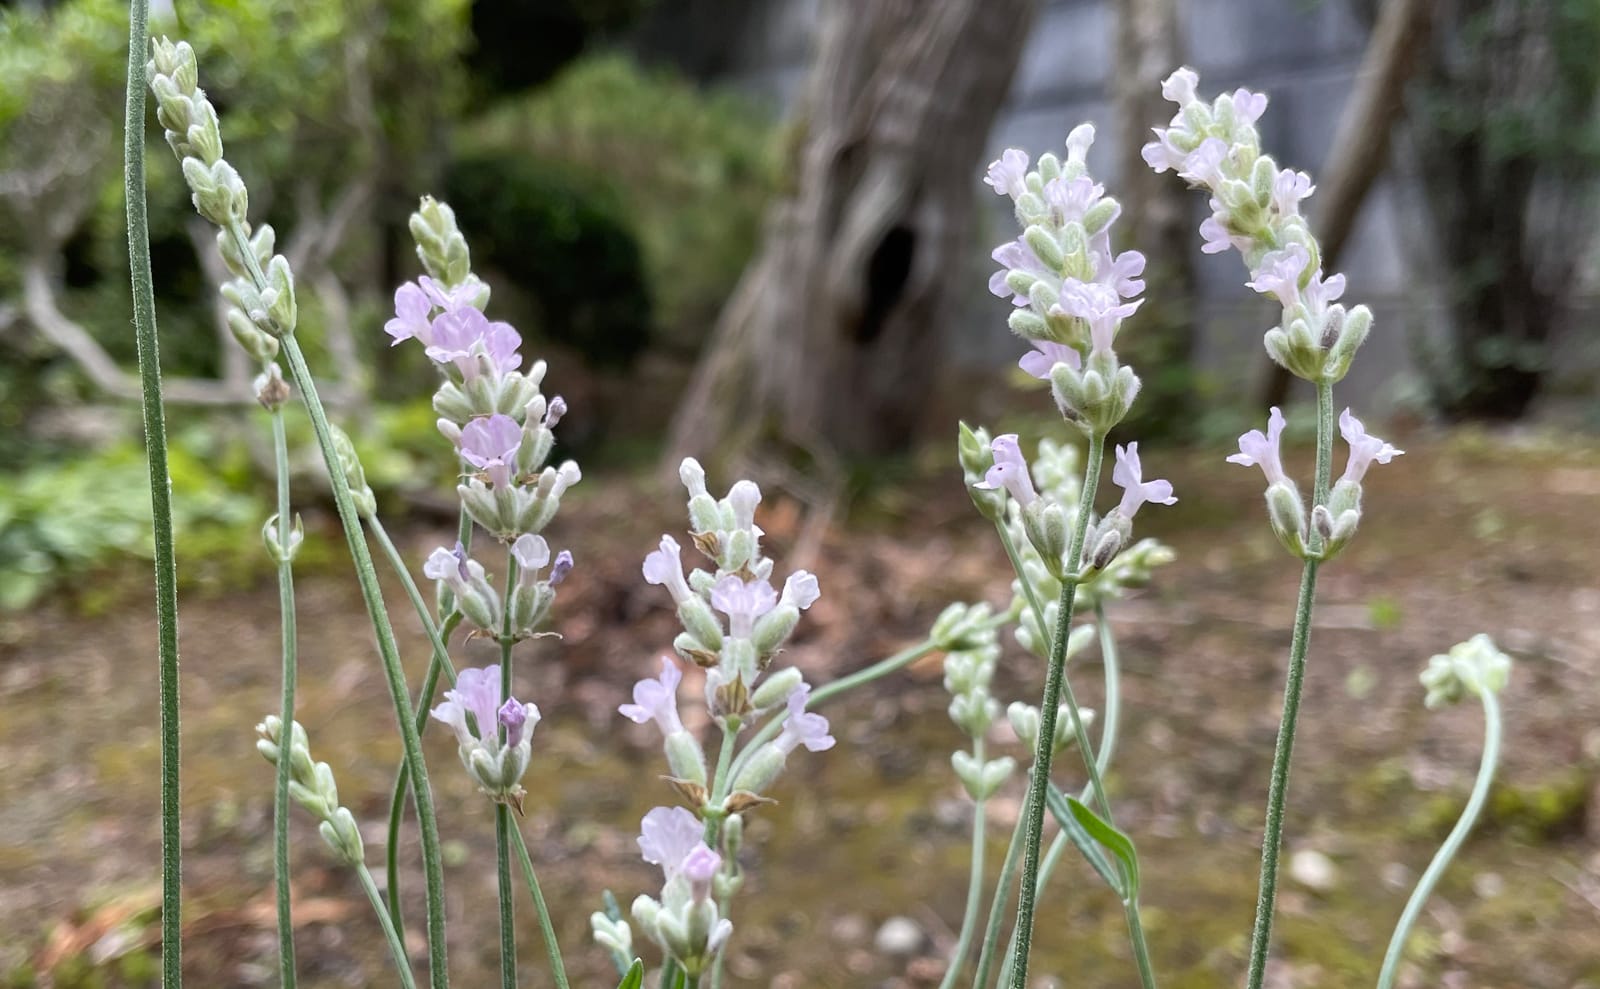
column 887, row 271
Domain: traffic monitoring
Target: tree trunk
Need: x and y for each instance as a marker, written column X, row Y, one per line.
column 830, row 342
column 1155, row 216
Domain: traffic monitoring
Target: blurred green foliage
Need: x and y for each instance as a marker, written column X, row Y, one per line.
column 564, row 263
column 688, row 172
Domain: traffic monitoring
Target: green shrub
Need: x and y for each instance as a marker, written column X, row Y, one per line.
column 689, row 171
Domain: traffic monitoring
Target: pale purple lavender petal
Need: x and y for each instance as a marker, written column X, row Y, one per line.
column 803, row 727
column 531, row 553
column 1163, row 154
column 465, row 294
column 477, row 692
column 448, row 565
column 1364, row 448
column 1203, row 165
column 719, row 935
column 664, row 567
column 1288, row 188
column 1129, row 475
column 700, row 866
column 1264, row 450
column 1279, row 274
column 1070, row 199
column 800, row 590
column 1179, row 87
column 1100, row 306
column 1010, row 470
column 1122, row 272
column 1249, row 106
column 411, row 308
column 743, row 602
column 1214, row 234
column 1006, row 174
column 554, row 412
column 1045, row 355
column 666, row 837
column 1015, row 255
column 657, row 699
column 490, row 444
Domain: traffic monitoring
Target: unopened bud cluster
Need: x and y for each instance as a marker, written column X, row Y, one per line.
column 1470, row 668
column 311, row 785
column 968, row 636
column 1256, row 209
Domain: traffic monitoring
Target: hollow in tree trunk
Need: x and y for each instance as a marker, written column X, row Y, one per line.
column 830, row 343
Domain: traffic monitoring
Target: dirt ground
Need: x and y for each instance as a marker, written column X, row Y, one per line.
column 1465, row 533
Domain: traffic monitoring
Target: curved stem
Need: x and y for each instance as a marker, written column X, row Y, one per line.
column 372, row 596
column 969, row 921
column 155, row 441
column 1452, row 843
column 878, row 670
column 280, row 801
column 439, row 663
column 1055, row 689
column 1277, row 790
column 396, row 947
column 551, row 947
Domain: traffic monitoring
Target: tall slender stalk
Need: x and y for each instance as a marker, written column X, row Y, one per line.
column 552, row 948
column 1452, row 844
column 502, row 813
column 397, row 948
column 372, row 595
column 1054, row 689
column 969, row 920
column 1002, row 896
column 155, row 440
column 1277, row 790
column 280, row 801
column 437, row 664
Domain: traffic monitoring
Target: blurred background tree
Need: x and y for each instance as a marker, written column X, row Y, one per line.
column 1508, row 139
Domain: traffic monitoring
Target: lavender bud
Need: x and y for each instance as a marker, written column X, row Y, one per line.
column 1287, row 513
column 284, row 550
column 271, row 390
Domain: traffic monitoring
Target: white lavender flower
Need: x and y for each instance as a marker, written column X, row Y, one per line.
column 1469, row 668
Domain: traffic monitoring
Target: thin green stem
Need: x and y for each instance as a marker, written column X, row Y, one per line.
column 1277, row 790
column 969, row 920
column 397, row 948
column 155, row 440
column 1141, row 948
column 372, row 595
column 286, row 610
column 722, row 781
column 1002, row 896
column 1056, row 687
column 502, row 813
column 876, row 671
column 551, row 947
column 1109, row 726
column 437, row 664
column 1452, row 844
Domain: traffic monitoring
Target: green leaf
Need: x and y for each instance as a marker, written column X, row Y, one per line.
column 635, row 976
column 1057, row 802
column 1120, row 844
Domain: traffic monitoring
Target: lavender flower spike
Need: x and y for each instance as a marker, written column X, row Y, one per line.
column 743, row 602
column 1364, row 449
column 802, row 727
column 1010, row 471
column 1256, row 450
column 1129, row 475
column 664, row 567
column 657, row 699
column 490, row 444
